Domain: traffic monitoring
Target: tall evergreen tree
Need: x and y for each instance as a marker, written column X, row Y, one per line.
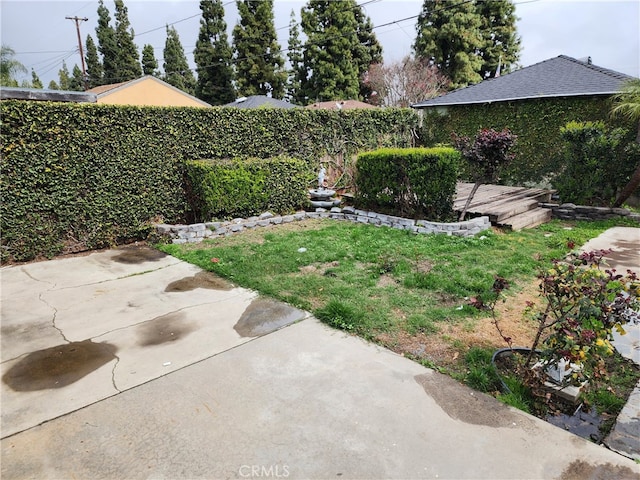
column 149, row 62
column 94, row 66
column 107, row 45
column 259, row 62
column 368, row 51
column 35, row 80
column 213, row 56
column 467, row 40
column 64, row 78
column 329, row 54
column 176, row 67
column 76, row 82
column 500, row 37
column 297, row 74
column 128, row 58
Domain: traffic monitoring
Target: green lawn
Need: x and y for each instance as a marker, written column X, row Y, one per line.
column 369, row 279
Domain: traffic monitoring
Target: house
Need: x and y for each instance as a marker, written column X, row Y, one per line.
column 561, row 76
column 340, row 105
column 149, row 91
column 259, row 101
column 38, row 94
column 535, row 103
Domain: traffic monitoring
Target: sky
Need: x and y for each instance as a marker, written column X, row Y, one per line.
column 606, row 30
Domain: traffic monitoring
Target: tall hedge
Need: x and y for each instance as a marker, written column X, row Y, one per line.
column 417, row 182
column 78, row 176
column 536, row 122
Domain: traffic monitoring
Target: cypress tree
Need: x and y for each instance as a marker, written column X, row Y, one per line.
column 329, row 54
column 64, row 78
column 368, row 51
column 76, row 82
column 501, row 40
column 176, row 67
column 128, row 58
column 107, row 45
column 149, row 62
column 213, row 56
column 94, row 66
column 35, row 80
column 259, row 63
column 296, row 73
column 450, row 35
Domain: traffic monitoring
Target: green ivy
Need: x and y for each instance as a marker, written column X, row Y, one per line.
column 82, row 176
column 536, row 122
column 417, row 182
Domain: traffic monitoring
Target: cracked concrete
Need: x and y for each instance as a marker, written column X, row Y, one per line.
column 157, row 382
column 114, row 298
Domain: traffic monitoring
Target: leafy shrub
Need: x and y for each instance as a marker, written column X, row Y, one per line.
column 595, row 163
column 414, row 182
column 82, row 176
column 241, row 188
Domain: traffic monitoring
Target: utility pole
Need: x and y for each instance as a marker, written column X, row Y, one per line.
column 84, row 71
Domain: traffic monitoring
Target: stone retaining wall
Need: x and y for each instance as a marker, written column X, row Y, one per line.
column 570, row 211
column 199, row 231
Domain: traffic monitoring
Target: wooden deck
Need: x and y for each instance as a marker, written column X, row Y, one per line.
column 512, row 207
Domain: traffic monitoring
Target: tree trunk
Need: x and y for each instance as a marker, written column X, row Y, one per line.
column 466, row 205
column 633, row 184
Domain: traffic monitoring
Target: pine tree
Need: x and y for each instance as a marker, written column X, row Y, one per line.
column 213, row 56
column 94, row 66
column 259, row 63
column 128, row 59
column 35, row 80
column 501, row 41
column 53, row 85
column 149, row 62
column 296, row 73
column 330, row 51
column 76, row 82
column 176, row 67
column 468, row 41
column 368, row 51
column 107, row 45
column 63, row 76
column 450, row 35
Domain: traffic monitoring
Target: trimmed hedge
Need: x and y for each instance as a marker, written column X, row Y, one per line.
column 537, row 123
column 226, row 189
column 82, row 176
column 417, row 182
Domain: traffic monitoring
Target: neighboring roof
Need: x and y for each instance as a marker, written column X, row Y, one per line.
column 103, row 91
column 16, row 93
column 561, row 76
column 340, row 105
column 259, row 101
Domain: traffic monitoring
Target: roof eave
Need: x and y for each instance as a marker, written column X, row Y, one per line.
column 512, row 99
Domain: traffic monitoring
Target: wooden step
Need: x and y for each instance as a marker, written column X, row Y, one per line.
column 528, row 219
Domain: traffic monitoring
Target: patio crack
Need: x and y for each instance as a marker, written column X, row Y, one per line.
column 113, row 374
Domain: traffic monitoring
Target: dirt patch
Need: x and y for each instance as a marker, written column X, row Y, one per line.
column 423, row 266
column 318, row 269
column 447, row 347
column 386, row 281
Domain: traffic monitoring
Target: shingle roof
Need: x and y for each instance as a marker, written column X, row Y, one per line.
column 561, row 76
column 340, row 105
column 259, row 101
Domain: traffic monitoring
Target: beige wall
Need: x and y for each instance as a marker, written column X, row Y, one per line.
column 148, row 92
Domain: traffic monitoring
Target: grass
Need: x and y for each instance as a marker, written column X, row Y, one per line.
column 369, row 280
column 376, row 281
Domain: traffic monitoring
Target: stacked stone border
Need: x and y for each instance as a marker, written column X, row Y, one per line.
column 570, row 211
column 199, row 231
